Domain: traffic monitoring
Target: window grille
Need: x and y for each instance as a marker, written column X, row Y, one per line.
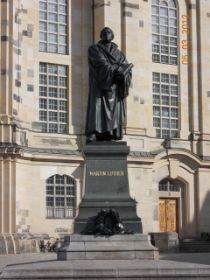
column 53, row 25
column 164, row 32
column 165, row 105
column 61, row 197
column 53, row 103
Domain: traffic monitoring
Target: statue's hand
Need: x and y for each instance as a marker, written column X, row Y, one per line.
column 125, row 68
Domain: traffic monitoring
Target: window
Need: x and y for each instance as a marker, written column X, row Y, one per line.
column 53, row 26
column 61, row 197
column 167, row 185
column 164, row 32
column 53, row 105
column 165, row 105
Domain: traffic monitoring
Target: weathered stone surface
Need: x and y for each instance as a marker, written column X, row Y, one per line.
column 133, row 246
column 10, row 244
column 28, row 246
column 107, row 269
column 16, row 244
column 166, row 241
column 3, row 247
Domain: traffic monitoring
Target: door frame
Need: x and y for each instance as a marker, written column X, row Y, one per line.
column 176, row 199
column 182, row 196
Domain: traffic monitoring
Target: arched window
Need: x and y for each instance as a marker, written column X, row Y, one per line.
column 60, row 197
column 164, row 32
column 168, row 185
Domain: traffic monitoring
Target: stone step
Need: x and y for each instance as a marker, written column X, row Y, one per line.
column 194, row 246
column 96, row 273
column 194, row 250
column 194, row 242
column 169, row 266
column 115, row 247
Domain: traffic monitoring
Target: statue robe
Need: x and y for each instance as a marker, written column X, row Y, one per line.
column 106, row 103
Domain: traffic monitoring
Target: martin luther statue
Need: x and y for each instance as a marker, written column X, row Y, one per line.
column 109, row 80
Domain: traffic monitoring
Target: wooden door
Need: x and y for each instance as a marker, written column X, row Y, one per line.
column 168, row 214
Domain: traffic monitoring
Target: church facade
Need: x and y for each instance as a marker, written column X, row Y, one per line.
column 43, row 102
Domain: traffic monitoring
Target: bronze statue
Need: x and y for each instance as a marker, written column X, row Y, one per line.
column 109, row 80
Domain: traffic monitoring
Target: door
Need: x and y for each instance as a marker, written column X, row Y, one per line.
column 168, row 214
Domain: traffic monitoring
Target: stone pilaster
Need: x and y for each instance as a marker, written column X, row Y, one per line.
column 6, row 53
column 107, row 13
column 194, row 98
column 203, row 23
column 7, row 204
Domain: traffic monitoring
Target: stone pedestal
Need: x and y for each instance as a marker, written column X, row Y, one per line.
column 165, row 241
column 106, row 185
column 116, row 247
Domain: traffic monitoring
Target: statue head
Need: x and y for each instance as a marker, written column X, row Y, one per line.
column 106, row 35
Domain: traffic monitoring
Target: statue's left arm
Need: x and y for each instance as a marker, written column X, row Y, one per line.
column 123, row 77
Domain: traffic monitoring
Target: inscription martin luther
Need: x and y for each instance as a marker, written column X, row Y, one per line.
column 107, row 173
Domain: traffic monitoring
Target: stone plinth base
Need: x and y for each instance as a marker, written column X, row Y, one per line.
column 116, row 247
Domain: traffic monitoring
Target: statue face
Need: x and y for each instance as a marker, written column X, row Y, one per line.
column 107, row 35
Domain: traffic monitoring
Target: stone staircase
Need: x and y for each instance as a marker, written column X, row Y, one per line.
column 194, row 246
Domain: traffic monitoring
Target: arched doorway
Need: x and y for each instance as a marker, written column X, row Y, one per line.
column 171, row 198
